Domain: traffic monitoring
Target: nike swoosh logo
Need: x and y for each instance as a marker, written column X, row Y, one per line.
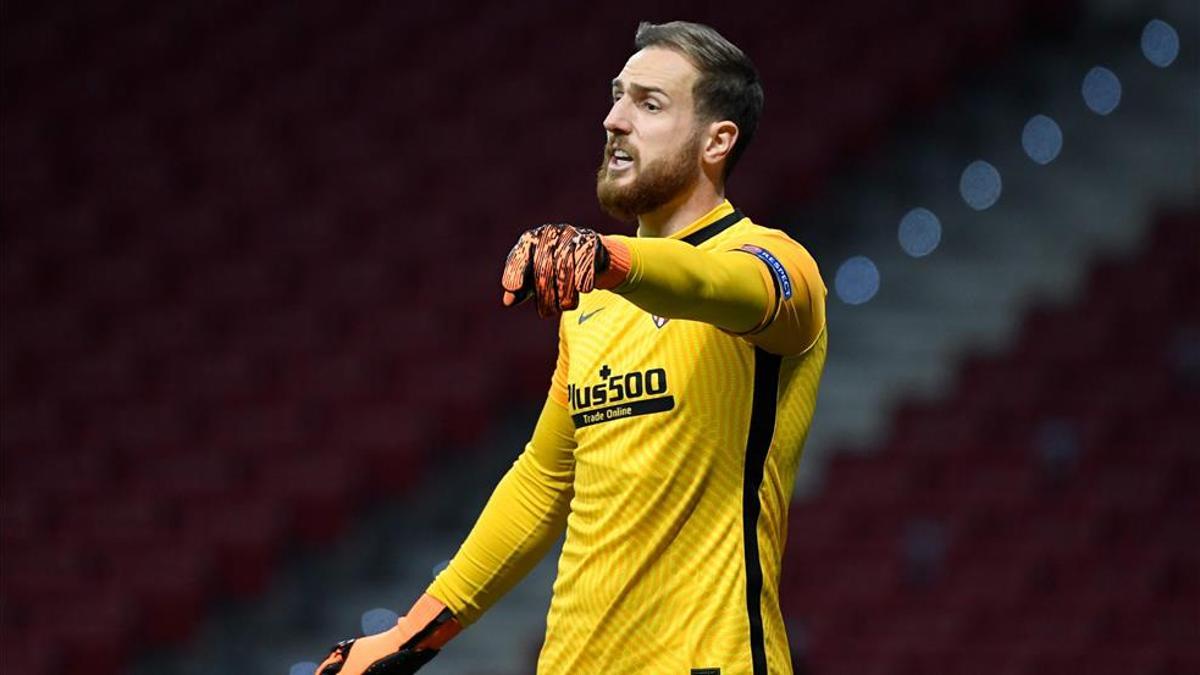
column 585, row 317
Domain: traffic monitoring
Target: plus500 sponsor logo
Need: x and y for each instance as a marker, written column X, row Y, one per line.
column 617, row 387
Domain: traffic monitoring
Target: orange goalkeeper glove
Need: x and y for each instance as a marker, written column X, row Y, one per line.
column 555, row 263
column 413, row 642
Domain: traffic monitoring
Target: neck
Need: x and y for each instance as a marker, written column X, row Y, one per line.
column 689, row 206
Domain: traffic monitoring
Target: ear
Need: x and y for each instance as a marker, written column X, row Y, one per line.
column 719, row 142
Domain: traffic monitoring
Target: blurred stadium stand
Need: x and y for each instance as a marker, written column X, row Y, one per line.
column 232, row 366
column 1098, row 197
column 1041, row 516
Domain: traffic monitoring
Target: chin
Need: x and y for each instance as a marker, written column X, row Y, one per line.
column 627, row 176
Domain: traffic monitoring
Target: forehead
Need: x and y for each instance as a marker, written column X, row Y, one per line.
column 666, row 69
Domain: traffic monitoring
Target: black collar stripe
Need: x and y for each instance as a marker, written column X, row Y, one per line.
column 709, row 231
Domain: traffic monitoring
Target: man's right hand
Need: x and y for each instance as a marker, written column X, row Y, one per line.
column 411, row 643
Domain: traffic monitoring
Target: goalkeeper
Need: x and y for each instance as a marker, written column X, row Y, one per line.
column 688, row 363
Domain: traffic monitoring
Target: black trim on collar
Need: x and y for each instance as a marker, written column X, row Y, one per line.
column 709, row 231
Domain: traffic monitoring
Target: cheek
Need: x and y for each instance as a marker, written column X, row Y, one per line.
column 661, row 138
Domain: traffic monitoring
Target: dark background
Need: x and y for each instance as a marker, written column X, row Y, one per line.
column 249, row 262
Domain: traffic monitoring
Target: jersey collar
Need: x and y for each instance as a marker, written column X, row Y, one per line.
column 710, row 224
column 719, row 211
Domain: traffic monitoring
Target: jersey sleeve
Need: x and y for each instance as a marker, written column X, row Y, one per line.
column 673, row 279
column 762, row 286
column 524, row 516
column 795, row 310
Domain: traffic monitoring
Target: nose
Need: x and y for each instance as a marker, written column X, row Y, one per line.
column 617, row 121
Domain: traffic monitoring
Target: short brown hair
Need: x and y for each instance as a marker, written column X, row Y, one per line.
column 728, row 87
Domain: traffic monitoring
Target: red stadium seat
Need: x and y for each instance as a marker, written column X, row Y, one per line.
column 170, row 584
column 245, row 534
column 90, row 631
column 321, row 490
column 29, row 653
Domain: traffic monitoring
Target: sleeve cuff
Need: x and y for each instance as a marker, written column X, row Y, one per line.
column 620, row 261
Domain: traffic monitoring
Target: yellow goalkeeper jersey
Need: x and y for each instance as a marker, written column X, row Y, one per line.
column 688, row 439
column 667, row 450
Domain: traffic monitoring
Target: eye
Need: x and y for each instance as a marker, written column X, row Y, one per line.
column 651, row 106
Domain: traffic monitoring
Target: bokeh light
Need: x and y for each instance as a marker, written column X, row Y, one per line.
column 980, row 185
column 1042, row 139
column 378, row 620
column 920, row 232
column 303, row 668
column 1101, row 90
column 857, row 280
column 1160, row 43
column 1056, row 442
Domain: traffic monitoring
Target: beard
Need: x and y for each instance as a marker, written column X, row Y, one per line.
column 655, row 185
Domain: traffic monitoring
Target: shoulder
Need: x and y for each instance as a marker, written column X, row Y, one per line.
column 749, row 232
column 798, row 317
column 773, row 246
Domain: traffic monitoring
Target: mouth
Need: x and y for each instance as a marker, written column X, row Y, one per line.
column 619, row 160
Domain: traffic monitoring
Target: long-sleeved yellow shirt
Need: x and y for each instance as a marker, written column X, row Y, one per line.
column 667, row 449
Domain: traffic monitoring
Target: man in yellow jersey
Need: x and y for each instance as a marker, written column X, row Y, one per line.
column 688, row 363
